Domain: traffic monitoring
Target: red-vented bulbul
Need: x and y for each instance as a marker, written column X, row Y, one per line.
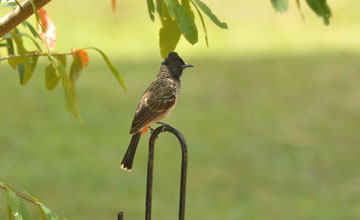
column 158, row 101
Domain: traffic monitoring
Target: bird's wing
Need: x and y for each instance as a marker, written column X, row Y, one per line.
column 159, row 97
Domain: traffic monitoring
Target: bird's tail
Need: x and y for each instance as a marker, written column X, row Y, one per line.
column 128, row 159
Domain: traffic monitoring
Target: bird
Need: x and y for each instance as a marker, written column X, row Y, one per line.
column 157, row 102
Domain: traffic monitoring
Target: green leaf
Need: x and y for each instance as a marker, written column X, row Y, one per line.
column 10, row 46
column 151, row 9
column 47, row 213
column 25, row 74
column 42, row 214
column 13, row 204
column 169, row 34
column 280, row 5
column 37, row 15
column 170, row 9
column 169, row 37
column 9, row 217
column 111, row 66
column 21, row 70
column 29, row 71
column 21, row 50
column 208, row 12
column 202, row 22
column 7, row 35
column 32, row 29
column 8, row 3
column 186, row 5
column 35, row 11
column 14, row 61
column 75, row 69
column 20, row 47
column 31, row 196
column 69, row 91
column 159, row 4
column 184, row 21
column 62, row 59
column 51, row 78
column 25, row 212
column 321, row 8
column 26, row 69
column 33, row 40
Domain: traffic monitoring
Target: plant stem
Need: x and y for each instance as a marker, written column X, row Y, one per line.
column 19, row 4
column 36, row 54
column 21, row 196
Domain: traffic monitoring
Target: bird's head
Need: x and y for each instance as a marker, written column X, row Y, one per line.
column 175, row 64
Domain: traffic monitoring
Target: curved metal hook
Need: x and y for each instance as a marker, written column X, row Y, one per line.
column 153, row 137
column 121, row 216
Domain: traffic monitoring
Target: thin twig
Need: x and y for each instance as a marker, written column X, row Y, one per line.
column 36, row 55
column 27, row 199
column 19, row 4
column 21, row 196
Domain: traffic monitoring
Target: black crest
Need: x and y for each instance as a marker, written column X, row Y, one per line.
column 175, row 64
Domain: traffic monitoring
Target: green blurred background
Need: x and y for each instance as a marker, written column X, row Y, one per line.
column 271, row 114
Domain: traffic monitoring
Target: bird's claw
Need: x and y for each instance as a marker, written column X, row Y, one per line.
column 151, row 129
column 159, row 122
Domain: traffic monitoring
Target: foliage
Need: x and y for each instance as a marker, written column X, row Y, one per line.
column 25, row 61
column 8, row 3
column 179, row 19
column 320, row 7
column 17, row 210
column 280, row 5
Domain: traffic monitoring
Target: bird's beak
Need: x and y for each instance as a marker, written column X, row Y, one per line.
column 187, row 65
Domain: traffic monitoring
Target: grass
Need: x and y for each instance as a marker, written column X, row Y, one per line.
column 272, row 124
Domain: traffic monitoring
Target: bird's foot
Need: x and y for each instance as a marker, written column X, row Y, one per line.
column 151, row 129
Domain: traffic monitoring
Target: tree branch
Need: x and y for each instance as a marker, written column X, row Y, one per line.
column 36, row 55
column 18, row 15
column 21, row 196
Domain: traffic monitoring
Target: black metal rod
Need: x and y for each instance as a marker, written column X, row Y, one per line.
column 121, row 216
column 153, row 137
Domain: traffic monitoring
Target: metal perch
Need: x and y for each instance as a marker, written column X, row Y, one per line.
column 149, row 184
